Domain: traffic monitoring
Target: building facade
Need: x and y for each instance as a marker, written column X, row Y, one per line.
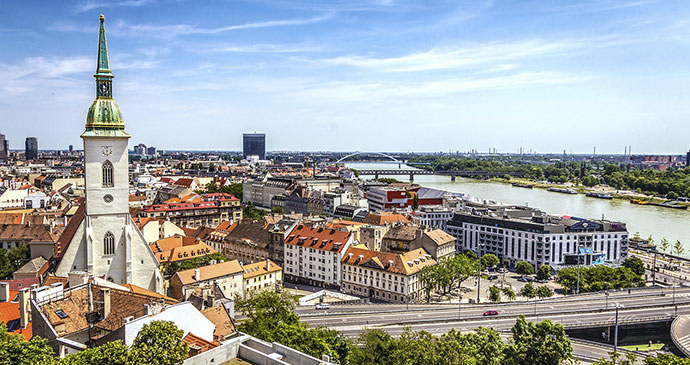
column 102, row 239
column 31, row 148
column 254, row 144
column 524, row 234
column 210, row 212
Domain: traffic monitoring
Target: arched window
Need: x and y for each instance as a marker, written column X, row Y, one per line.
column 109, row 244
column 108, row 175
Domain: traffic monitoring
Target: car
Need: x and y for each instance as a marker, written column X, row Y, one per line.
column 502, row 270
column 490, row 312
column 323, row 306
column 542, row 281
column 525, row 279
column 493, row 277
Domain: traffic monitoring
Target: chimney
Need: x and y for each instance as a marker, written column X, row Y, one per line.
column 106, row 302
column 4, row 292
column 24, row 308
column 268, row 265
column 197, row 275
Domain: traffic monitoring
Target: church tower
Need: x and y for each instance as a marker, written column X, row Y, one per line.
column 106, row 243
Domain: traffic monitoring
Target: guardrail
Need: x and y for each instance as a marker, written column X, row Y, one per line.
column 652, row 319
column 676, row 341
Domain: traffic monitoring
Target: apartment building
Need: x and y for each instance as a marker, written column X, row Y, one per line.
column 209, row 211
column 384, row 276
column 313, row 255
column 525, row 234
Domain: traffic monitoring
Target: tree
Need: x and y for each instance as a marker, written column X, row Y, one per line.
column 508, row 293
column 599, row 277
column 415, row 202
column 251, row 211
column 198, row 261
column 538, row 343
column 617, row 359
column 524, row 268
column 14, row 350
column 160, row 343
column 544, row 291
column 666, row 359
column 678, row 248
column 110, row 353
column 664, row 244
column 494, row 294
column 489, row 260
column 528, row 291
column 544, row 272
column 377, row 348
column 635, row 264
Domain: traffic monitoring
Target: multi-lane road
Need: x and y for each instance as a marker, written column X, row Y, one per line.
column 587, row 310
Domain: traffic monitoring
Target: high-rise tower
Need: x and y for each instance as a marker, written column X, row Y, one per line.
column 106, row 242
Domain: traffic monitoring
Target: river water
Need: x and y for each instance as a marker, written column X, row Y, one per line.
column 674, row 224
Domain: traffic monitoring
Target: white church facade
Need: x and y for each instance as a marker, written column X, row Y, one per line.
column 102, row 239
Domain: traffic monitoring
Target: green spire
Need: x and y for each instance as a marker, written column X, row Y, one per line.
column 103, row 67
column 104, row 118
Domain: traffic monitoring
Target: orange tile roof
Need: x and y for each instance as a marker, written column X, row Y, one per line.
column 259, row 268
column 139, row 290
column 197, row 344
column 318, row 238
column 179, row 248
column 9, row 311
column 384, row 218
column 70, row 230
column 210, row 271
column 404, row 263
column 219, row 316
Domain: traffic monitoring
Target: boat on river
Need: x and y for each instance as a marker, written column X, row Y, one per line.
column 563, row 190
column 639, row 202
column 521, row 185
column 599, row 195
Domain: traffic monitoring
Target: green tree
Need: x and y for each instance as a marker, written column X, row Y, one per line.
column 14, row 350
column 617, row 359
column 544, row 291
column 635, row 264
column 524, row 268
column 508, row 293
column 251, row 211
column 415, row 202
column 377, row 347
column 664, row 245
column 544, row 272
column 198, row 261
column 589, row 181
column 494, row 294
column 160, row 343
column 678, row 248
column 665, row 359
column 111, row 353
column 528, row 291
column 599, row 277
column 489, row 260
column 538, row 343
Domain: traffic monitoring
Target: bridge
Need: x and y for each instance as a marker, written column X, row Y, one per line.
column 452, row 173
column 370, row 154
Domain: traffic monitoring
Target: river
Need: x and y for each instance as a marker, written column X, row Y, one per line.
column 673, row 224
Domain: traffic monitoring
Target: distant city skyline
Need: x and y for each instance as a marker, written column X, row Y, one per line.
column 379, row 75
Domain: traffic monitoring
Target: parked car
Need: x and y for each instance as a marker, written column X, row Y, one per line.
column 493, row 277
column 490, row 312
column 502, row 269
column 323, row 306
column 542, row 281
column 525, row 279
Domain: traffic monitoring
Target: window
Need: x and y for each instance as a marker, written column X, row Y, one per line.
column 109, row 244
column 107, row 174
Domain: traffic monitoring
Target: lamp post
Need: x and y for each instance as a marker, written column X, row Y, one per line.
column 479, row 271
column 615, row 338
column 654, row 269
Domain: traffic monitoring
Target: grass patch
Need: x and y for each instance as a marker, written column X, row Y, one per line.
column 644, row 347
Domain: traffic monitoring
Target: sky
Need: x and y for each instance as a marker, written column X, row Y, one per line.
column 356, row 75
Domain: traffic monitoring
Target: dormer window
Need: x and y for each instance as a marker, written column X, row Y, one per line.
column 108, row 174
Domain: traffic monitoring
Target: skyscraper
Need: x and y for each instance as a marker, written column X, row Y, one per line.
column 687, row 160
column 102, row 239
column 254, row 144
column 31, row 151
column 4, row 150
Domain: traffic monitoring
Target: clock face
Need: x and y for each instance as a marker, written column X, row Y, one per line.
column 107, row 150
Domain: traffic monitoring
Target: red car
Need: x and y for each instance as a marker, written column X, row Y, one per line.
column 491, row 312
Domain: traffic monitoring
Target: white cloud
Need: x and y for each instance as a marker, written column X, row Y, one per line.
column 90, row 5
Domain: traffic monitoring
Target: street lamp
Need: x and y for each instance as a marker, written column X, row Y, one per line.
column 615, row 338
column 654, row 269
column 479, row 270
column 578, row 269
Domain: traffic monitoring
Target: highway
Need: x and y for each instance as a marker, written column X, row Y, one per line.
column 587, row 310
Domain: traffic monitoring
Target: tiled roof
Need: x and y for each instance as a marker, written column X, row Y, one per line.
column 209, row 272
column 404, row 263
column 402, row 232
column 220, row 317
column 260, row 268
column 9, row 314
column 439, row 237
column 179, row 248
column 50, row 280
column 26, row 232
column 14, row 217
column 318, row 238
column 250, row 230
column 197, row 344
column 383, row 218
column 222, row 231
column 70, row 230
column 34, row 266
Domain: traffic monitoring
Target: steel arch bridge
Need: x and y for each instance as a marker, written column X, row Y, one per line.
column 370, row 153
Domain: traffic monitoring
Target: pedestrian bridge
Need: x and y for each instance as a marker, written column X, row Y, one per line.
column 680, row 333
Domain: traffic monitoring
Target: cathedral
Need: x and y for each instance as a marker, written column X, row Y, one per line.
column 102, row 239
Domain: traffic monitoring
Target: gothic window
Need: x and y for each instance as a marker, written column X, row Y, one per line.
column 108, row 175
column 109, row 244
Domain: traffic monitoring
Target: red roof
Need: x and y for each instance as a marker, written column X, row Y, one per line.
column 9, row 314
column 318, row 238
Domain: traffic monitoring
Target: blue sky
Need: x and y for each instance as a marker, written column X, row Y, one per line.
column 373, row 75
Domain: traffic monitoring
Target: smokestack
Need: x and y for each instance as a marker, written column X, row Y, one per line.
column 4, row 292
column 24, row 314
column 197, row 275
column 106, row 302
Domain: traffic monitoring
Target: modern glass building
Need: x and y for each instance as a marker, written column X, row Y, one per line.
column 254, row 144
column 31, row 152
